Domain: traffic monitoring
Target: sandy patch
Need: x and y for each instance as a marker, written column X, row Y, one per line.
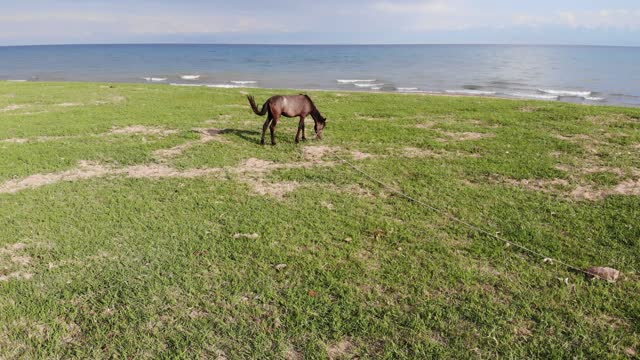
column 466, row 136
column 316, row 153
column 86, row 170
column 15, row 140
column 610, row 119
column 529, row 109
column 574, row 189
column 293, row 354
column 412, row 152
column 12, row 107
column 246, row 236
column 328, row 205
column 14, row 264
column 206, row 135
column 340, row 350
column 235, row 106
column 68, row 104
column 357, row 155
column 572, row 138
column 277, row 190
column 427, row 125
column 37, row 139
column 116, row 99
column 590, row 169
column 250, row 171
column 142, row 130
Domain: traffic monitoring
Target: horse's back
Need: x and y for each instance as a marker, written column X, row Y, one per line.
column 290, row 105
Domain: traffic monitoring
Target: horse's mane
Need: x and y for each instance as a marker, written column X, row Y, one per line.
column 314, row 111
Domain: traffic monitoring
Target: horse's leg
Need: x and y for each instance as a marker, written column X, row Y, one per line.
column 272, row 128
column 304, row 138
column 300, row 129
column 264, row 128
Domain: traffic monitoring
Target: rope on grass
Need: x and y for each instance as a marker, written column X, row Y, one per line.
column 460, row 221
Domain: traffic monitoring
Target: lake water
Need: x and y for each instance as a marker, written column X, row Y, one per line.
column 583, row 74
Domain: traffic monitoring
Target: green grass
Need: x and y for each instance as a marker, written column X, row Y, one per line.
column 120, row 266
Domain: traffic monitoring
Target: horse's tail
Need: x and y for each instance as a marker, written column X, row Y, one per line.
column 252, row 101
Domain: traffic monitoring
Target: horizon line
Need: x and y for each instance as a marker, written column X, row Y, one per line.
column 321, row 44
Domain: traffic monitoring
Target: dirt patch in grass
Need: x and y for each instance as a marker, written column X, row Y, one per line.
column 206, row 135
column 293, row 354
column 251, row 171
column 86, row 170
column 142, row 130
column 14, row 263
column 574, row 188
column 412, row 152
column 316, row 153
column 529, row 109
column 610, row 119
column 15, row 140
column 341, row 350
column 357, row 155
column 572, row 138
column 277, row 189
column 12, row 107
column 466, row 136
column 426, row 125
column 69, row 104
column 252, row 236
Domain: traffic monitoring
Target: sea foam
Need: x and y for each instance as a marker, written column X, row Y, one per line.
column 189, row 77
column 470, row 92
column 355, row 81
column 155, row 79
column 224, row 86
column 243, row 82
column 191, row 85
column 534, row 96
column 368, row 85
column 408, row 89
column 573, row 93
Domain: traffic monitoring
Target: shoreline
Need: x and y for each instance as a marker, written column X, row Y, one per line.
column 385, row 92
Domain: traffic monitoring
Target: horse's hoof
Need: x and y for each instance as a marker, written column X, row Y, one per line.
column 304, row 139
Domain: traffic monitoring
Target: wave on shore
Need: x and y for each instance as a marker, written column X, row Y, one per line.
column 470, row 92
column 573, row 93
column 155, row 79
column 371, row 85
column 243, row 82
column 341, row 81
column 189, row 77
column 533, row 96
column 408, row 89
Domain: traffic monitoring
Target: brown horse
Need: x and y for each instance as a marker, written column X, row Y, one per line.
column 288, row 106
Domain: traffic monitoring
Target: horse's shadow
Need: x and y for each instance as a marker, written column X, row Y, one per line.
column 247, row 135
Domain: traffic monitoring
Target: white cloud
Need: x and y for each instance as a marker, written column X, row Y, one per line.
column 602, row 19
column 66, row 23
column 424, row 7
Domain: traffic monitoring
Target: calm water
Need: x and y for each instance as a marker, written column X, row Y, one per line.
column 584, row 74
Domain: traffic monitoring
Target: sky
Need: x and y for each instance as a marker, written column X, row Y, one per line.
column 584, row 22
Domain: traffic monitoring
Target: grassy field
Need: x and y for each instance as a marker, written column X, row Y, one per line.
column 145, row 221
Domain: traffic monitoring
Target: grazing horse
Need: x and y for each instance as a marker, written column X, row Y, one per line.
column 288, row 106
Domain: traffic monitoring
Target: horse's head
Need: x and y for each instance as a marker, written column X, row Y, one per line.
column 319, row 126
